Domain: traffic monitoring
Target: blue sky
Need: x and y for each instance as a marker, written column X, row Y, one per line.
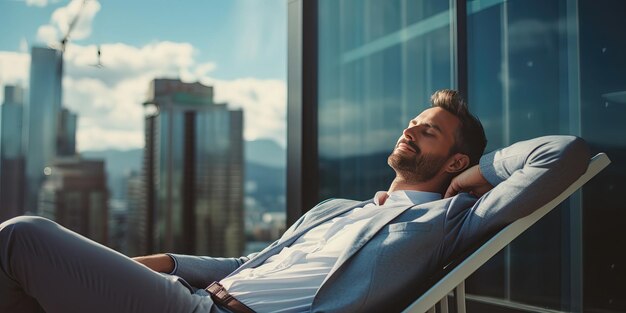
column 239, row 47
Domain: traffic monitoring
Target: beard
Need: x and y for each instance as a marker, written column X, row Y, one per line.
column 415, row 168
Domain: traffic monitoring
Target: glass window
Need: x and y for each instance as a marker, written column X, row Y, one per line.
column 521, row 74
column 534, row 68
column 603, row 112
column 379, row 62
column 554, row 67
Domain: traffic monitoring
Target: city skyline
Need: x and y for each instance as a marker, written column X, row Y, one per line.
column 238, row 47
column 193, row 171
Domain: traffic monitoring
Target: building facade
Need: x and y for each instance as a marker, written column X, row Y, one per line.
column 41, row 118
column 74, row 194
column 359, row 70
column 11, row 154
column 66, row 133
column 136, row 236
column 194, row 170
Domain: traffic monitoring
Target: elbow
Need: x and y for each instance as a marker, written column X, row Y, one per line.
column 565, row 153
column 573, row 154
column 578, row 152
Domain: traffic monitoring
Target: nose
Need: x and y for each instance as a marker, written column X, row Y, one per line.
column 411, row 132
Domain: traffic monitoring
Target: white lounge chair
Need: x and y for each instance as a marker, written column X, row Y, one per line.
column 455, row 278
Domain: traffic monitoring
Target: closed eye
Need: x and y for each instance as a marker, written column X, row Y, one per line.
column 429, row 126
column 427, row 133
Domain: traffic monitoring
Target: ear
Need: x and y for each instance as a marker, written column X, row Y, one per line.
column 457, row 163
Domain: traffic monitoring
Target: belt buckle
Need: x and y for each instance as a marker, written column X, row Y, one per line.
column 219, row 293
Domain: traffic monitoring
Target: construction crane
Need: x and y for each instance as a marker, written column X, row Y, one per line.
column 99, row 54
column 71, row 26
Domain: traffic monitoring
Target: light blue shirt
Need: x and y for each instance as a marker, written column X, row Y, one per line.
column 289, row 280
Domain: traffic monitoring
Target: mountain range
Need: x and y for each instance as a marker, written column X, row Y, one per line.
column 265, row 164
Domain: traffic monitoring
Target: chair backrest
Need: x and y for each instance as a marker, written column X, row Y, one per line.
column 457, row 272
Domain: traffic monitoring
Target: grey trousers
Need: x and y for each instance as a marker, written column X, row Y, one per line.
column 47, row 268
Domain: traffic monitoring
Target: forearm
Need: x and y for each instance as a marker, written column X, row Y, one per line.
column 162, row 263
column 200, row 271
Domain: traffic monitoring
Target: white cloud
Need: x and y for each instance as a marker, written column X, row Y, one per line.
column 14, row 68
column 83, row 11
column 108, row 99
column 48, row 35
column 121, row 61
column 263, row 102
column 37, row 3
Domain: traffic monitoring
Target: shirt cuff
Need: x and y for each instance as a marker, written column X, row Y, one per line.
column 175, row 264
column 488, row 169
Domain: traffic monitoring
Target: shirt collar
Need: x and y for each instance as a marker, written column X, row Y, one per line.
column 409, row 196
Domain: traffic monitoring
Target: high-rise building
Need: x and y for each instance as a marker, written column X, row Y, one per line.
column 74, row 194
column 41, row 117
column 66, row 133
column 194, row 170
column 144, row 221
column 11, row 154
column 118, row 225
column 137, row 236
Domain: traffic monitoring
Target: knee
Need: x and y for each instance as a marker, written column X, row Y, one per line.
column 23, row 224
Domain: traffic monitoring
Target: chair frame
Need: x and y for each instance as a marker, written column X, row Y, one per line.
column 455, row 279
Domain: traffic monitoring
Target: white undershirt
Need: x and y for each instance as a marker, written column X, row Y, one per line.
column 288, row 281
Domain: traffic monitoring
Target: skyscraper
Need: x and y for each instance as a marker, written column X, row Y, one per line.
column 41, row 117
column 66, row 135
column 137, row 236
column 194, row 170
column 11, row 154
column 74, row 194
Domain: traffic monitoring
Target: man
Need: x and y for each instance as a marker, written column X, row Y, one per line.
column 342, row 256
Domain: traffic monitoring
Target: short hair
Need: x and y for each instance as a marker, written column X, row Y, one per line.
column 470, row 136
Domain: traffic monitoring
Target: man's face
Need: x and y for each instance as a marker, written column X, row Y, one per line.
column 425, row 145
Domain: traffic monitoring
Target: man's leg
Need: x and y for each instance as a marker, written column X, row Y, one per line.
column 44, row 264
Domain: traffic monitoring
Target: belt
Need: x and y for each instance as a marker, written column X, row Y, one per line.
column 220, row 295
